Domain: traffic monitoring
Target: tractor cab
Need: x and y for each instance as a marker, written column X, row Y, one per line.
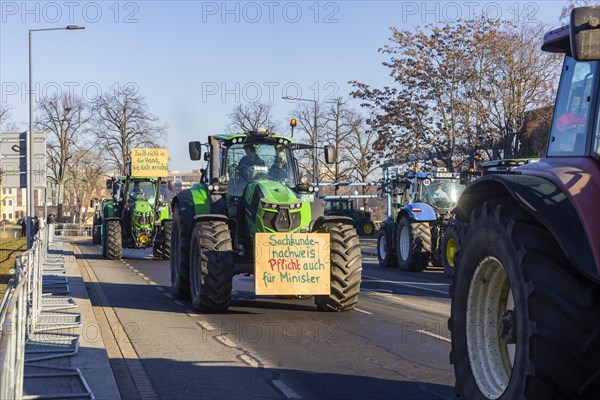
column 440, row 189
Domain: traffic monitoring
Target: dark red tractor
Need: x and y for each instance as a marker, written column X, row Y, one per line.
column 525, row 317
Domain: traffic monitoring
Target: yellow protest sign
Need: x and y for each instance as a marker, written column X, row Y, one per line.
column 292, row 264
column 150, row 162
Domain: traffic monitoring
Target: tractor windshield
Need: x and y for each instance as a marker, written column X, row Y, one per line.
column 251, row 162
column 442, row 194
column 571, row 114
column 142, row 190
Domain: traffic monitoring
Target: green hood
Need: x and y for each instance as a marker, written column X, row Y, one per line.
column 141, row 206
column 274, row 192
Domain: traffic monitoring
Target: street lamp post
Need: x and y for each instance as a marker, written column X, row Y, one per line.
column 29, row 155
column 315, row 139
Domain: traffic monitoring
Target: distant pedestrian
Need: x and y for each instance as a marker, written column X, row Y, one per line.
column 23, row 227
column 36, row 225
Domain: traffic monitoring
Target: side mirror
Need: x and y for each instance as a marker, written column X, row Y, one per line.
column 329, row 154
column 206, row 156
column 170, row 185
column 195, row 150
column 584, row 30
column 109, row 184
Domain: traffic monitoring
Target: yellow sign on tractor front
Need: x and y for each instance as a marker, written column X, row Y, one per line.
column 292, row 264
column 150, row 162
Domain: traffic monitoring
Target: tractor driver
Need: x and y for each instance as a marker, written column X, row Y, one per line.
column 439, row 194
column 249, row 160
column 279, row 169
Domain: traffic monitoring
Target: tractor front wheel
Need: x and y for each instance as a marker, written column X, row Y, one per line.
column 385, row 252
column 413, row 245
column 114, row 245
column 346, row 269
column 180, row 258
column 448, row 247
column 365, row 227
column 211, row 266
column 524, row 321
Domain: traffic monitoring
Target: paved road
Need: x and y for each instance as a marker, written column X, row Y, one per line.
column 395, row 345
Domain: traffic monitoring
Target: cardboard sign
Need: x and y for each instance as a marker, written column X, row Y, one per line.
column 292, row 264
column 150, row 162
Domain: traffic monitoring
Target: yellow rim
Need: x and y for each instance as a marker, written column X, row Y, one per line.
column 368, row 229
column 451, row 249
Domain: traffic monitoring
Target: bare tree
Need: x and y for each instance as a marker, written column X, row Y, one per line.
column 252, row 116
column 6, row 122
column 65, row 120
column 363, row 157
column 87, row 173
column 340, row 123
column 458, row 88
column 304, row 114
column 123, row 122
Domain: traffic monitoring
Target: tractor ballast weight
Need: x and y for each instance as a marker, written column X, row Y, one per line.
column 252, row 185
column 419, row 215
column 525, row 311
column 135, row 217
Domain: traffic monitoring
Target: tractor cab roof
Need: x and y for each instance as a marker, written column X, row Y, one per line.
column 253, row 137
column 506, row 164
column 433, row 175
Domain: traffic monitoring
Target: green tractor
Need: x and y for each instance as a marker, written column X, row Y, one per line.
column 252, row 187
column 135, row 218
column 362, row 219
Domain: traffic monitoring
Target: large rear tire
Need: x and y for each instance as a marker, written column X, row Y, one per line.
column 180, row 258
column 524, row 322
column 385, row 253
column 211, row 266
column 346, row 269
column 413, row 248
column 114, row 245
column 449, row 244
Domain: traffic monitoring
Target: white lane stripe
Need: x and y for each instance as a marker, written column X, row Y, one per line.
column 250, row 360
column 205, row 325
column 363, row 311
column 152, row 283
column 445, row 339
column 378, row 290
column 410, row 285
column 285, row 389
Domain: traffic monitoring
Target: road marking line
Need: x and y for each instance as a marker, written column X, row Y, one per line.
column 223, row 339
column 140, row 274
column 207, row 326
column 378, row 290
column 363, row 311
column 152, row 283
column 250, row 360
column 445, row 339
column 169, row 295
column 135, row 270
column 412, row 285
column 191, row 313
column 178, row 303
column 285, row 389
column 146, row 278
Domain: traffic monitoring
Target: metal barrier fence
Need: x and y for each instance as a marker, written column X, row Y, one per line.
column 73, row 229
column 19, row 310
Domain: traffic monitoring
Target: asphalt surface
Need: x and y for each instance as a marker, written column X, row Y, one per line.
column 394, row 345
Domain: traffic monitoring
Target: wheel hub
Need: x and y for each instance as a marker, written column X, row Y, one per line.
column 508, row 327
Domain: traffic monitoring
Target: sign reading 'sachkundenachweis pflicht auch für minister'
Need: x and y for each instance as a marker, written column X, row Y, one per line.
column 292, row 264
column 150, row 162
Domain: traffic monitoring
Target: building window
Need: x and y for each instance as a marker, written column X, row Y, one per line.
column 3, row 216
column 10, row 202
column 4, row 202
column 9, row 215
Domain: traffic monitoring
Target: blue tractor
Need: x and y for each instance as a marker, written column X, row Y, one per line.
column 418, row 230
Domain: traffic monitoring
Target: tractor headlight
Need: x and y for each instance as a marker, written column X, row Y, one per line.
column 269, row 205
column 304, row 179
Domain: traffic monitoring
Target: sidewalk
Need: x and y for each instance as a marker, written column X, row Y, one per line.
column 91, row 358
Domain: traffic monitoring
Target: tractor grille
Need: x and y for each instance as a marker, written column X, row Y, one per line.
column 282, row 220
column 142, row 218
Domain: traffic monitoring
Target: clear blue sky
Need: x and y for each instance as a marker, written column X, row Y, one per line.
column 194, row 61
